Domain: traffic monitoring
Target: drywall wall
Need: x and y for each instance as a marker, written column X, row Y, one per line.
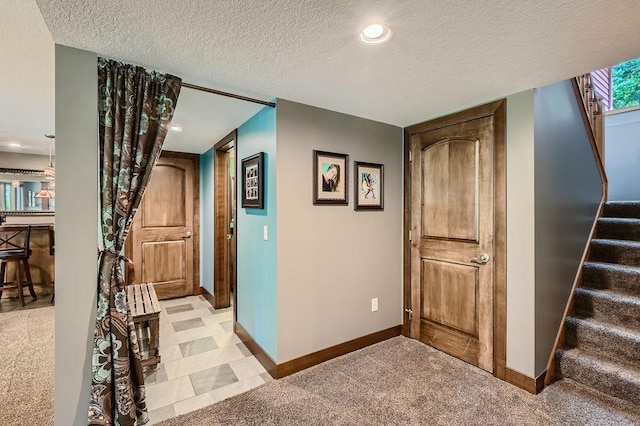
column 520, row 233
column 16, row 160
column 257, row 284
column 568, row 190
column 333, row 260
column 76, row 230
column 206, row 220
column 622, row 155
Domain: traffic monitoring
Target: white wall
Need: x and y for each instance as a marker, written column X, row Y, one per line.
column 17, row 160
column 622, row 155
column 520, row 234
column 568, row 190
column 333, row 260
column 76, row 230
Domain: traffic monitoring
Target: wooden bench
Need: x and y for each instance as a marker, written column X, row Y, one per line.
column 145, row 310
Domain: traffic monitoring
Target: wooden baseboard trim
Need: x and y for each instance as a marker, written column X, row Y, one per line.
column 205, row 293
column 525, row 382
column 278, row 371
column 306, row 361
column 255, row 348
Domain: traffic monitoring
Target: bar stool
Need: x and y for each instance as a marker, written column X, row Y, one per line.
column 13, row 252
column 52, row 252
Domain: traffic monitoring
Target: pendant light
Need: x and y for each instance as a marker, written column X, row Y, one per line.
column 45, row 192
column 50, row 171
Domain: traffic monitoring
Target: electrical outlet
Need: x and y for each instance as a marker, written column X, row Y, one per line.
column 374, row 304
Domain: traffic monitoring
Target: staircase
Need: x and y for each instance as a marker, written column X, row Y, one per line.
column 602, row 337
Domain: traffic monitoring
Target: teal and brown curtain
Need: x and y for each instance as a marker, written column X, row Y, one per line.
column 135, row 108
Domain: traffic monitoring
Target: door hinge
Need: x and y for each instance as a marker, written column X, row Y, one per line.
column 409, row 311
column 410, row 235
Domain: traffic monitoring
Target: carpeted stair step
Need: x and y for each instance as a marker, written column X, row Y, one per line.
column 608, row 276
column 601, row 373
column 615, row 251
column 594, row 336
column 608, row 307
column 622, row 209
column 616, row 228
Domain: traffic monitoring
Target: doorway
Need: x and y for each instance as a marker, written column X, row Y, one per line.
column 455, row 239
column 163, row 242
column 225, row 243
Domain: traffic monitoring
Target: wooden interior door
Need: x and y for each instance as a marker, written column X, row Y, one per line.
column 224, row 222
column 452, row 247
column 162, row 243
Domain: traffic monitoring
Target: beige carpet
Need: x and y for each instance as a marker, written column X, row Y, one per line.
column 402, row 381
column 27, row 367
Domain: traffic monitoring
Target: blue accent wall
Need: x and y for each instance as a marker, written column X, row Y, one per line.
column 206, row 220
column 257, row 284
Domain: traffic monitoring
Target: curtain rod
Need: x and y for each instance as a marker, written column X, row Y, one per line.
column 229, row 95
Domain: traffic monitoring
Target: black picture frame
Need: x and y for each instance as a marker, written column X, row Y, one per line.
column 368, row 186
column 252, row 170
column 333, row 191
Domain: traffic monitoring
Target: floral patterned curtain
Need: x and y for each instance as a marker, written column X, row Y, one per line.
column 135, row 108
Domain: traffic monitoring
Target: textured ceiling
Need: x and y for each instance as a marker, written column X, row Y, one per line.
column 443, row 56
column 26, row 78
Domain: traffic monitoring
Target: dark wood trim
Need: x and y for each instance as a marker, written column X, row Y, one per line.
column 568, row 310
column 406, row 248
column 315, row 358
column 228, row 95
column 530, row 384
column 500, row 240
column 222, row 143
column 205, row 293
column 222, row 296
column 278, row 371
column 195, row 160
column 263, row 357
column 496, row 109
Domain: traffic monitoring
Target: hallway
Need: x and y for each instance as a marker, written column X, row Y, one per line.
column 203, row 361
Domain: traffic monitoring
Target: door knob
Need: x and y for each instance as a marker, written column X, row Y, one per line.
column 484, row 258
column 187, row 235
column 229, row 236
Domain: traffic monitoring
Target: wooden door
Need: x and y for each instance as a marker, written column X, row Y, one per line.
column 224, row 221
column 452, row 247
column 162, row 235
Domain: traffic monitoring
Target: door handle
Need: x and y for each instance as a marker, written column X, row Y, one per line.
column 186, row 235
column 483, row 259
column 229, row 236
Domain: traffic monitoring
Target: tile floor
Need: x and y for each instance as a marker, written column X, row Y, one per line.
column 203, row 361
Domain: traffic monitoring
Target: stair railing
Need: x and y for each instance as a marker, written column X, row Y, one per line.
column 591, row 109
column 594, row 109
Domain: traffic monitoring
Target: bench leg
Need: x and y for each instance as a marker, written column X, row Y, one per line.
column 154, row 338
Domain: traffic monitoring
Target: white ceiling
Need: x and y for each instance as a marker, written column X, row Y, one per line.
column 205, row 119
column 443, row 56
column 27, row 92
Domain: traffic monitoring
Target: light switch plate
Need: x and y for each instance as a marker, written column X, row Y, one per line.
column 374, row 304
column 265, row 233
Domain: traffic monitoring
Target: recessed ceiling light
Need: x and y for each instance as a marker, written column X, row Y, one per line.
column 375, row 34
column 175, row 128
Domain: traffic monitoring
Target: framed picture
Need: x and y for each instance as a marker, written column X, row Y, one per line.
column 369, row 188
column 330, row 174
column 253, row 181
